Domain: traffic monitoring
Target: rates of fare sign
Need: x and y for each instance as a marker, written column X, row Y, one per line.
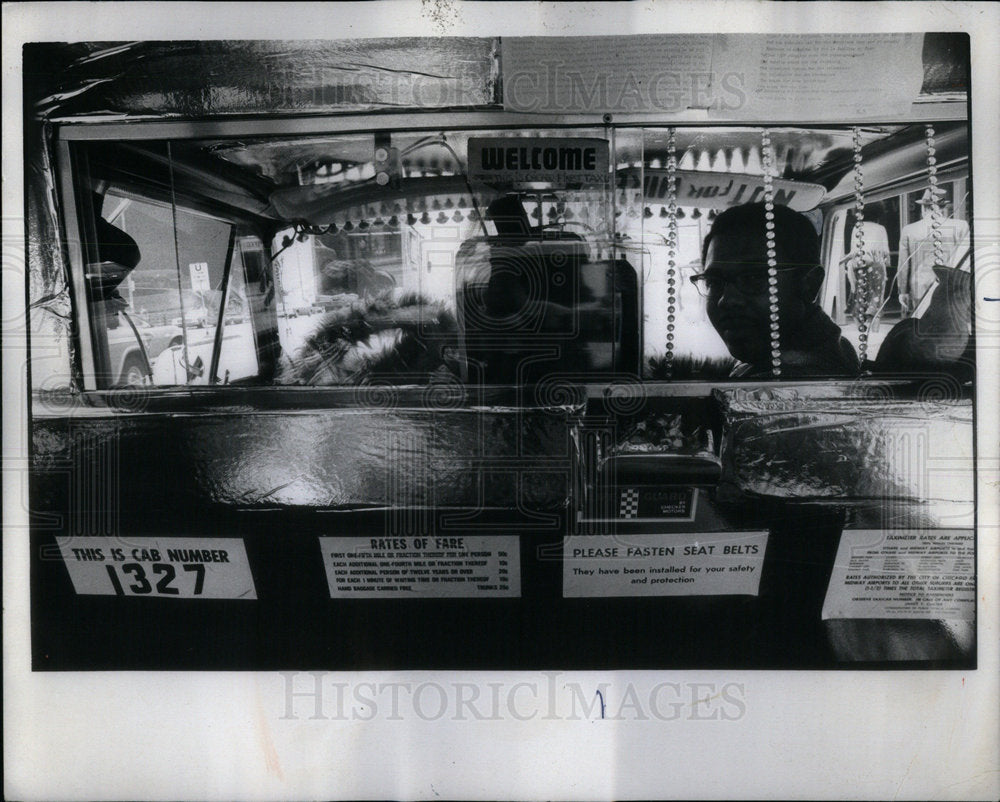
column 518, row 160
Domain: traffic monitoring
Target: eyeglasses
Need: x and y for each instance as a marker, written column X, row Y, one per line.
column 752, row 282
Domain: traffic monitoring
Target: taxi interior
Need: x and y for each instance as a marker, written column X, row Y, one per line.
column 330, row 235
column 377, row 340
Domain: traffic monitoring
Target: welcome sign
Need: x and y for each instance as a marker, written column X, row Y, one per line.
column 517, row 160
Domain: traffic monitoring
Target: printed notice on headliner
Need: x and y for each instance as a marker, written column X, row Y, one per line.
column 771, row 76
column 694, row 564
column 483, row 566
column 905, row 573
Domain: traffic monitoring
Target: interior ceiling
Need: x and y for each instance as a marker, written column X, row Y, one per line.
column 195, row 79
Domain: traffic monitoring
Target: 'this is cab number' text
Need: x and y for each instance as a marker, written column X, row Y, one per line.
column 150, row 571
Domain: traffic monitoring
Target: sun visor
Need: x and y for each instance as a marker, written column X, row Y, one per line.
column 722, row 190
column 322, row 204
column 217, row 78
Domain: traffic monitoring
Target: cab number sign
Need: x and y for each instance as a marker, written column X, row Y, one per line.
column 171, row 568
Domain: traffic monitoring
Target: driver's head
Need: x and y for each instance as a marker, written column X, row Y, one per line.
column 734, row 256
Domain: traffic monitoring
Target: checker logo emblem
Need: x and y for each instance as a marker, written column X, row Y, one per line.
column 628, row 506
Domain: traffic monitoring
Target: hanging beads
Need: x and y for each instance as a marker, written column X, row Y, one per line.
column 767, row 160
column 671, row 248
column 932, row 180
column 863, row 285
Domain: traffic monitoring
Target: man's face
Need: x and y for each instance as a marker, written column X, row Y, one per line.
column 742, row 313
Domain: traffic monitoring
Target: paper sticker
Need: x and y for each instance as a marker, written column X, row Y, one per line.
column 649, row 503
column 904, row 573
column 822, row 76
column 596, row 74
column 723, row 76
column 453, row 566
column 172, row 568
column 688, row 564
column 199, row 276
column 510, row 160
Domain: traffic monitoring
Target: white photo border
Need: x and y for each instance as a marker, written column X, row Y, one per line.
column 798, row 734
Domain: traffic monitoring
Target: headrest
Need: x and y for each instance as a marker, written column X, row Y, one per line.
column 508, row 215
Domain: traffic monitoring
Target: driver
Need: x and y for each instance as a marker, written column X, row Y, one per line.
column 735, row 284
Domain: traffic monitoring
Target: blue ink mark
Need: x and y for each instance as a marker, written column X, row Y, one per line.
column 601, row 697
column 990, row 299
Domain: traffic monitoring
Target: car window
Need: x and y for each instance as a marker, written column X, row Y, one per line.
column 160, row 319
column 448, row 273
column 488, row 256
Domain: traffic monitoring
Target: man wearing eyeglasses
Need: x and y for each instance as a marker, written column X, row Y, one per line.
column 797, row 567
column 735, row 285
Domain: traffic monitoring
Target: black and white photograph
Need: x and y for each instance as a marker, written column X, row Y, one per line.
column 470, row 384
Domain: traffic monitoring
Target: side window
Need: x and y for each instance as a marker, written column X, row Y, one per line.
column 899, row 253
column 165, row 273
column 877, row 302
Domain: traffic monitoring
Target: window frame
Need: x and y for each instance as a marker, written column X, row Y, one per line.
column 91, row 362
column 86, row 359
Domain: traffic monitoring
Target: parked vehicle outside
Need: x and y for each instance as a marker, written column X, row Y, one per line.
column 130, row 361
